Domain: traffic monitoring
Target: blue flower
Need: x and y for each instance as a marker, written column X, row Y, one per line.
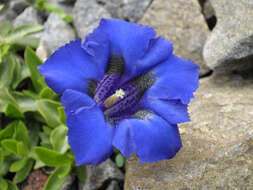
column 122, row 87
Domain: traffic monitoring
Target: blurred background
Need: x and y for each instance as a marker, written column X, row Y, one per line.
column 218, row 142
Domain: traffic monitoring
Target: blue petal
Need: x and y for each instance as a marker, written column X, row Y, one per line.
column 129, row 40
column 123, row 139
column 152, row 139
column 89, row 136
column 97, row 45
column 73, row 100
column 160, row 49
column 176, row 78
column 69, row 68
column 172, row 111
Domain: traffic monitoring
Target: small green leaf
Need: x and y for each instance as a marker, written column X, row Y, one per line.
column 59, row 139
column 22, row 134
column 47, row 93
column 62, row 115
column 22, row 31
column 8, row 131
column 81, row 173
column 7, row 69
column 24, row 102
column 14, row 147
column 65, row 171
column 51, row 157
column 5, row 27
column 52, row 8
column 28, row 41
column 1, row 158
column 3, row 184
column 12, row 186
column 13, row 111
column 33, row 61
column 19, row 164
column 55, row 182
column 5, row 98
column 49, row 111
column 24, row 172
column 120, row 160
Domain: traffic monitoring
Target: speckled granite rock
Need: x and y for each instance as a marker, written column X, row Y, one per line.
column 7, row 13
column 87, row 15
column 230, row 46
column 56, row 33
column 183, row 24
column 28, row 16
column 217, row 148
column 98, row 175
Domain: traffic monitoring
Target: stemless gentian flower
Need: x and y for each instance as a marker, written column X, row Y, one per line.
column 122, row 87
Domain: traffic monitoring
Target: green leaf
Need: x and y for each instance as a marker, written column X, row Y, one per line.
column 19, row 164
column 33, row 61
column 24, row 102
column 59, row 140
column 81, row 173
column 49, row 111
column 22, row 174
column 22, row 31
column 14, row 147
column 5, row 27
column 22, row 134
column 5, row 98
column 3, row 184
column 47, row 93
column 8, row 131
column 7, row 69
column 65, row 171
column 20, row 73
column 28, row 41
column 120, row 160
column 55, row 182
column 12, row 186
column 13, row 111
column 52, row 8
column 62, row 115
column 51, row 157
column 1, row 158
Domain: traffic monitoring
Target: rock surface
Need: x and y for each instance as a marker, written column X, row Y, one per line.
column 98, row 175
column 7, row 13
column 18, row 6
column 56, row 33
column 230, row 46
column 131, row 10
column 28, row 16
column 217, row 148
column 183, row 24
column 87, row 15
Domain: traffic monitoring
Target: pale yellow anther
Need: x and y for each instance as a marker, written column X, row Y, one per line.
column 113, row 98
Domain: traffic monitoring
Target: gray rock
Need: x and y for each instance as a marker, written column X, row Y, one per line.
column 69, row 2
column 67, row 8
column 87, row 14
column 230, row 46
column 28, row 16
column 183, row 24
column 7, row 13
column 113, row 186
column 98, row 175
column 56, row 33
column 131, row 10
column 18, row 6
column 207, row 9
column 217, row 148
